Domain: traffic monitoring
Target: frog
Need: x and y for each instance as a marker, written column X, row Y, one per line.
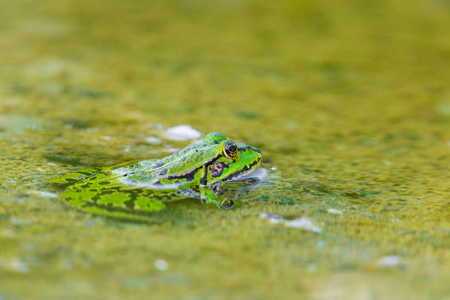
column 216, row 170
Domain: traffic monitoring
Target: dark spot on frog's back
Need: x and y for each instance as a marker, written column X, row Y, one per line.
column 106, row 192
column 157, row 165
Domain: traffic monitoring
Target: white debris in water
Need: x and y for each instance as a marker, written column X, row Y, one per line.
column 153, row 140
column 387, row 163
column 52, row 164
column 302, row 222
column 276, row 221
column 270, row 216
column 182, row 133
column 107, row 138
column 161, row 264
column 320, row 244
column 335, row 211
column 19, row 266
column 43, row 194
column 273, row 168
column 389, row 261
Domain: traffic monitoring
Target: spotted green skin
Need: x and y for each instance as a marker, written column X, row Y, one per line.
column 146, row 185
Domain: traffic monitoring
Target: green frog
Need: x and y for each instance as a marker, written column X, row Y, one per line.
column 215, row 170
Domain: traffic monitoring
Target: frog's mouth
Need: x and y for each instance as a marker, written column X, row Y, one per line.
column 250, row 171
column 254, row 173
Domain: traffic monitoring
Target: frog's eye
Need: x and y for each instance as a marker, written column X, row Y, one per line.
column 230, row 151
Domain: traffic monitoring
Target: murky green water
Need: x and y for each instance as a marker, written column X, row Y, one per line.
column 348, row 100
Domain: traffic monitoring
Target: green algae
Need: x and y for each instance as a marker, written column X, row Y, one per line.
column 347, row 100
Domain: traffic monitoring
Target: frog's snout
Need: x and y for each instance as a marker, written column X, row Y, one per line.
column 258, row 155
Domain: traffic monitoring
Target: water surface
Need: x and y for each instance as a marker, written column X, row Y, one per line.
column 349, row 101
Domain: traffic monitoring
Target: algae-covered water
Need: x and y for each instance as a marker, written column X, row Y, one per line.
column 349, row 102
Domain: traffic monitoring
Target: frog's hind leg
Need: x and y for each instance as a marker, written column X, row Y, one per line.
column 75, row 176
column 107, row 211
column 104, row 195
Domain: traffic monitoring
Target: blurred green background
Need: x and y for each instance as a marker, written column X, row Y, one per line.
column 348, row 100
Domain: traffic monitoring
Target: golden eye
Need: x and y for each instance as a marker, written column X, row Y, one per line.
column 230, row 151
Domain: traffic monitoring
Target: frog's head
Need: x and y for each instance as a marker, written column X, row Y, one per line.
column 234, row 160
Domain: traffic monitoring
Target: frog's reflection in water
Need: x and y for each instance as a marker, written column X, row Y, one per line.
column 232, row 190
column 226, row 192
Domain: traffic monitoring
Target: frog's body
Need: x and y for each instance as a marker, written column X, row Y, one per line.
column 197, row 171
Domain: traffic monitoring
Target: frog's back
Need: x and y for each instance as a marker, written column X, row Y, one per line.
column 170, row 172
column 100, row 191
